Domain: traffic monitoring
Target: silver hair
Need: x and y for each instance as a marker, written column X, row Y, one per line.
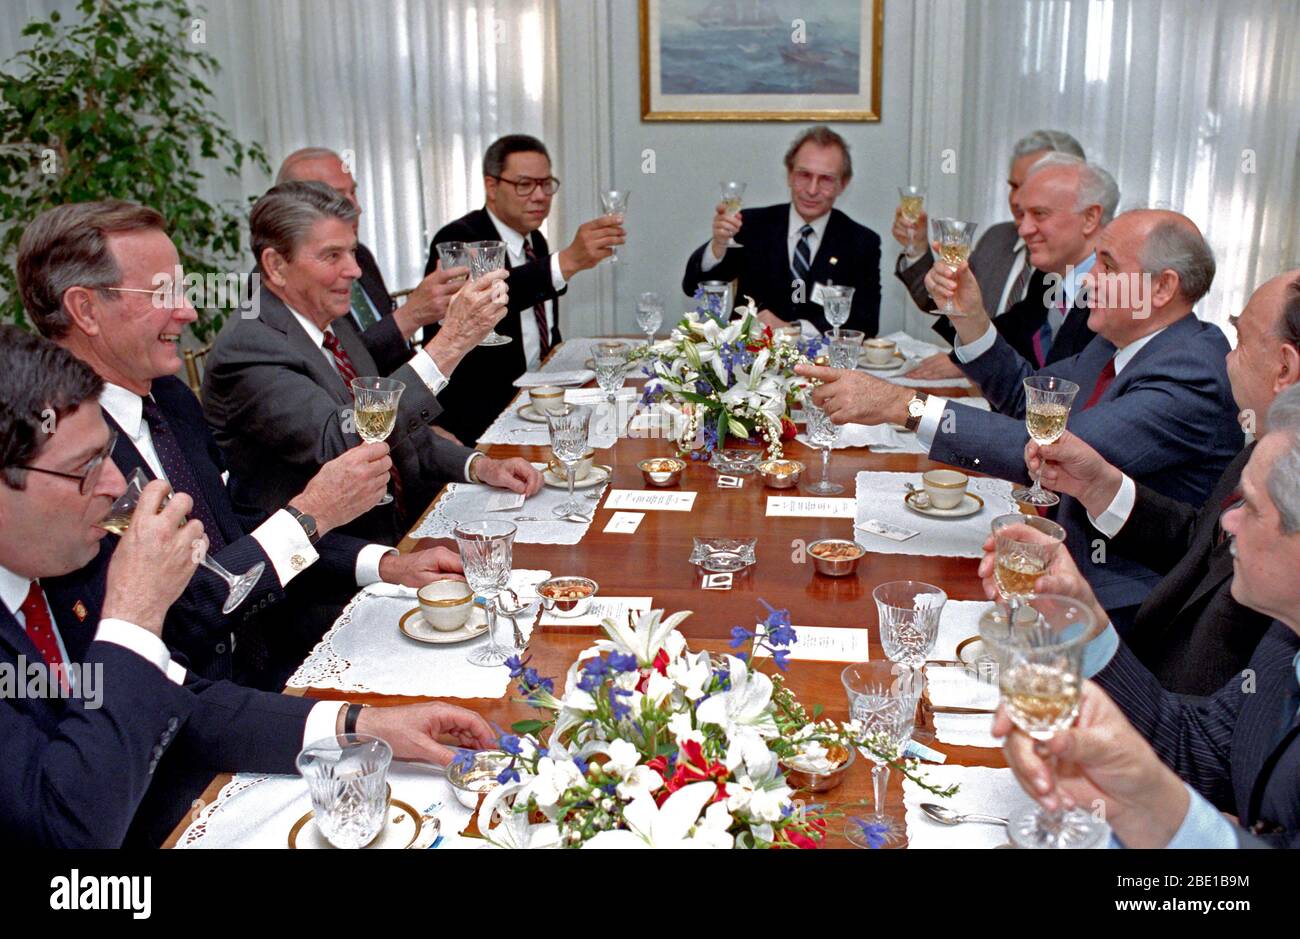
column 1175, row 247
column 287, row 174
column 282, row 218
column 1046, row 141
column 1096, row 186
column 1284, row 478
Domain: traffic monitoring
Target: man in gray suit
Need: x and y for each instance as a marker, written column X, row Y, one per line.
column 277, row 386
column 1154, row 394
column 1000, row 259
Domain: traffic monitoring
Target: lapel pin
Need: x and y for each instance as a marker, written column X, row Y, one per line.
column 835, row 260
column 80, row 610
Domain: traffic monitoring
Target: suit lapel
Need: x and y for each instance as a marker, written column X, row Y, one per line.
column 1264, row 716
column 276, row 315
column 1220, row 561
column 15, row 637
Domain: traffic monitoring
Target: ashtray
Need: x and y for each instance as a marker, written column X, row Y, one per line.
column 736, row 462
column 724, row 555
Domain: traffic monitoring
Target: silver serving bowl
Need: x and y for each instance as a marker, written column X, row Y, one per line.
column 479, row 779
column 657, row 472
column 781, row 474
column 562, row 605
column 835, row 567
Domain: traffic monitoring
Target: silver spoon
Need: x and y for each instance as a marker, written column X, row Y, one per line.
column 946, row 816
column 922, row 497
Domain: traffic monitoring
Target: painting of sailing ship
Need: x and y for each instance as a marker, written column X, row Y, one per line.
column 760, row 59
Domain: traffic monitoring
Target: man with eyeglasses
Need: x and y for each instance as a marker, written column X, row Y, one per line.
column 788, row 253
column 519, row 189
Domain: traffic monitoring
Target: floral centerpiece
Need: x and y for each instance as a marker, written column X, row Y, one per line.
column 651, row 745
column 728, row 377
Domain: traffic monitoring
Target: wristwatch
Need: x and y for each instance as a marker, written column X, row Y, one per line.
column 307, row 522
column 915, row 409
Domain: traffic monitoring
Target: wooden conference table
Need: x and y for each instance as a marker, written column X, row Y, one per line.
column 654, row 562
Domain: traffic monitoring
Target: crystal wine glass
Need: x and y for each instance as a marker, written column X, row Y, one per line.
column 649, row 315
column 454, row 254
column 823, row 433
column 1038, row 648
column 733, row 194
column 1024, row 546
column 909, row 611
column 347, row 776
column 569, row 444
column 717, row 299
column 837, row 303
column 375, row 411
column 845, row 348
column 484, row 258
column 118, row 521
column 614, row 202
column 955, row 239
column 911, row 202
column 487, row 552
column 610, row 371
column 883, row 699
column 1047, row 408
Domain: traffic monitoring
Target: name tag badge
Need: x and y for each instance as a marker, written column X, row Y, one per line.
column 817, row 295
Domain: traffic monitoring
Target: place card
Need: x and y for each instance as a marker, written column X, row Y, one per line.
column 717, row 582
column 504, row 501
column 808, row 507
column 624, row 523
column 827, row 644
column 600, row 608
column 887, row 530
column 730, row 482
column 644, row 499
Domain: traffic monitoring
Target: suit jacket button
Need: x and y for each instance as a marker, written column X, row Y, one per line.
column 221, row 648
column 977, row 461
column 298, row 562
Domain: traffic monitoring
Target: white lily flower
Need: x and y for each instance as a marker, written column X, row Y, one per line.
column 554, row 778
column 675, row 824
column 691, row 674
column 505, row 828
column 646, row 638
column 679, row 725
column 639, row 781
column 746, row 705
column 623, row 757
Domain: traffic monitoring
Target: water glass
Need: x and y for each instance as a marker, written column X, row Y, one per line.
column 845, row 347
column 909, row 613
column 822, row 433
column 487, row 553
column 883, row 698
column 347, row 776
column 649, row 315
column 569, row 444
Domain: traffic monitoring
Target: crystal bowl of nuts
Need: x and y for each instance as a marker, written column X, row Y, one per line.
column 662, row 471
column 567, row 596
column 781, row 474
column 836, row 557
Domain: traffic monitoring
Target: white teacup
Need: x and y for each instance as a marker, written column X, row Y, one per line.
column 581, row 469
column 946, row 488
column 446, row 604
column 547, row 399
column 879, row 351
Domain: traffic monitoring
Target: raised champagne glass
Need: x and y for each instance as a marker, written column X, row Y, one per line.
column 822, row 433
column 118, row 521
column 374, row 411
column 569, row 444
column 614, row 201
column 911, row 203
column 883, row 700
column 484, row 258
column 1038, row 649
column 1047, row 408
column 733, row 194
column 487, row 553
column 955, row 239
column 1024, row 546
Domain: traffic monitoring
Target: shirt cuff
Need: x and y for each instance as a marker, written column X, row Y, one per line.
column 973, row 350
column 1112, row 520
column 1098, row 653
column 1204, row 826
column 906, row 260
column 368, row 559
column 707, row 261
column 807, row 330
column 428, row 371
column 931, row 418
column 286, row 544
column 139, row 640
column 322, row 721
column 469, row 461
column 557, row 277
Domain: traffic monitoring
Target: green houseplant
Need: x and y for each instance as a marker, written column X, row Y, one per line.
column 115, row 105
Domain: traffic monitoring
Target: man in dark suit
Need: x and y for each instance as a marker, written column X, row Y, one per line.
column 117, row 737
column 1154, row 393
column 277, row 386
column 789, row 252
column 1237, row 749
column 128, row 334
column 1190, row 631
column 518, row 188
column 1000, row 259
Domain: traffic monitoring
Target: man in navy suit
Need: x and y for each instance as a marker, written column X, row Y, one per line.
column 89, row 274
column 518, row 191
column 788, row 252
column 1235, row 751
column 1154, row 392
column 113, row 737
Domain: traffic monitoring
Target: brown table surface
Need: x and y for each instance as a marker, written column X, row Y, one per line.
column 653, row 562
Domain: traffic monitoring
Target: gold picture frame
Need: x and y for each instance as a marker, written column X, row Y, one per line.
column 800, row 59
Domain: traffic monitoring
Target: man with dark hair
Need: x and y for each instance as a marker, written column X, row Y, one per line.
column 789, row 252
column 518, row 189
column 104, row 281
column 121, row 737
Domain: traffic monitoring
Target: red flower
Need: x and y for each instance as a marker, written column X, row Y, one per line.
column 660, row 665
column 692, row 767
column 798, row 839
column 788, row 429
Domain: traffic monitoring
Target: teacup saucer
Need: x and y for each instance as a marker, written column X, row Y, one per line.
column 598, row 476
column 919, row 503
column 898, row 362
column 529, row 413
column 413, row 626
column 401, row 829
column 970, row 651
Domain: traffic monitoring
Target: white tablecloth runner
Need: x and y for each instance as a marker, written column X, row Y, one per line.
column 880, row 496
column 983, row 789
column 463, row 502
column 885, row 438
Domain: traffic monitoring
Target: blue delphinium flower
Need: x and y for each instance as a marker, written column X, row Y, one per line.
column 509, row 774
column 593, row 674
column 620, row 662
column 723, row 678
column 510, row 743
column 787, row 810
column 875, row 834
column 464, row 760
column 581, row 764
column 740, row 636
column 516, row 666
column 621, row 710
column 780, row 656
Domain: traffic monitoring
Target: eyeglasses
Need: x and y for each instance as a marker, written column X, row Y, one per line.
column 91, row 475
column 803, row 178
column 168, row 296
column 525, row 185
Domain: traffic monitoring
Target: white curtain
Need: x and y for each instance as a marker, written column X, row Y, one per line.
column 1193, row 105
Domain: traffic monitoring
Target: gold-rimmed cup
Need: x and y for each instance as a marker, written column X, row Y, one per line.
column 946, row 488
column 879, row 351
column 446, row 605
column 581, row 469
column 546, row 399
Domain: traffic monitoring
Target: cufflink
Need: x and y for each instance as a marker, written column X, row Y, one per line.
column 298, row 562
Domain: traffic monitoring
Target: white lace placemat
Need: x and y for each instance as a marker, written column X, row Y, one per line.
column 915, row 350
column 885, row 438
column 258, row 811
column 365, row 651
column 880, row 497
column 465, row 502
column 608, row 423
column 984, row 789
column 959, row 620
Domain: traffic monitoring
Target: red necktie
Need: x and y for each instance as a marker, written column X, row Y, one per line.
column 40, row 630
column 1103, row 382
column 341, row 358
column 539, row 309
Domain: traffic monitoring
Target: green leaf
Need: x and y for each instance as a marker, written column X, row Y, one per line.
column 527, row 727
column 817, row 711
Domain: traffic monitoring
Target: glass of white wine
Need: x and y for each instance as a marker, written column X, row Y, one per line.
column 1038, row 649
column 375, row 411
column 733, row 194
column 614, row 201
column 484, row 258
column 1047, row 408
column 911, row 203
column 118, row 521
column 955, row 239
column 1024, row 546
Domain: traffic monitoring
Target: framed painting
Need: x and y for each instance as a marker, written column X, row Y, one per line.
column 761, row 60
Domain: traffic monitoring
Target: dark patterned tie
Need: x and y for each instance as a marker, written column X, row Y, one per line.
column 361, row 310
column 539, row 309
column 342, row 361
column 1020, row 286
column 1103, row 382
column 803, row 256
column 1043, row 339
column 40, row 630
column 180, row 471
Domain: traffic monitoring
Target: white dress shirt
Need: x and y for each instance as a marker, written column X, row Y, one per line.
column 1020, row 259
column 514, row 242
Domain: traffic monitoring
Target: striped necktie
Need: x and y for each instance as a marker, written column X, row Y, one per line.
column 180, row 471
column 803, row 256
column 342, row 361
column 1020, row 286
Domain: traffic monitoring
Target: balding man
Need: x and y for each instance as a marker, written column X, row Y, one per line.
column 1154, row 393
column 1190, row 631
